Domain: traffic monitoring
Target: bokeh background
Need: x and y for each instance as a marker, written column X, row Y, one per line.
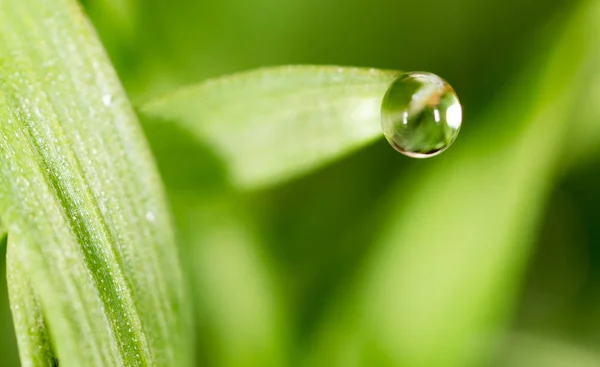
column 486, row 256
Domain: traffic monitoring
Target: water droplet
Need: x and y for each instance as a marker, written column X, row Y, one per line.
column 420, row 114
column 150, row 217
column 107, row 99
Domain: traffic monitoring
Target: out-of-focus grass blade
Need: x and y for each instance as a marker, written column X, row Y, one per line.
column 7, row 331
column 116, row 17
column 526, row 350
column 237, row 298
column 238, row 302
column 584, row 135
column 273, row 124
column 117, row 23
column 81, row 199
column 457, row 234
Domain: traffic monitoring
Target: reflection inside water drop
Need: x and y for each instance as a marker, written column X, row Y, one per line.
column 420, row 114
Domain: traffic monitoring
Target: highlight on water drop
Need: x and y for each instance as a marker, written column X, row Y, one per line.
column 420, row 114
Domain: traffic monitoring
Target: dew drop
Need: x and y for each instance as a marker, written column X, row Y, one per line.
column 420, row 114
column 107, row 99
column 150, row 217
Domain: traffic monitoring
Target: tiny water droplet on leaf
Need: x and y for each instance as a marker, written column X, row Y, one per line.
column 107, row 99
column 150, row 217
column 420, row 114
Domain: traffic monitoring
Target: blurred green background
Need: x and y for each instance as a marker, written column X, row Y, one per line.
column 486, row 256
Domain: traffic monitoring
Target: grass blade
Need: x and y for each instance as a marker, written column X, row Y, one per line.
column 80, row 194
column 35, row 348
column 10, row 355
column 237, row 297
column 524, row 350
column 273, row 124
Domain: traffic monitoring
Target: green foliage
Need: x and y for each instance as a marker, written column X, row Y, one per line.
column 91, row 258
column 296, row 251
column 537, row 350
column 273, row 124
column 466, row 252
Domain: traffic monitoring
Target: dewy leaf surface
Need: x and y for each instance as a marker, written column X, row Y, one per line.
column 273, row 124
column 81, row 200
column 33, row 338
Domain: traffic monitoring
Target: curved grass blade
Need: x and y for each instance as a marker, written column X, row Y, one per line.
column 273, row 124
column 80, row 194
column 35, row 348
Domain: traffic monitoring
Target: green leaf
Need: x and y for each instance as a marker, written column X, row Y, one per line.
column 237, row 298
column 273, row 124
column 91, row 240
column 526, row 350
column 584, row 135
column 117, row 17
column 457, row 233
column 236, row 291
column 117, row 23
column 35, row 347
column 2, row 232
column 8, row 341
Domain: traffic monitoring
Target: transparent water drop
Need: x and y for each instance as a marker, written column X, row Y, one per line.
column 420, row 114
column 107, row 99
column 150, row 217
